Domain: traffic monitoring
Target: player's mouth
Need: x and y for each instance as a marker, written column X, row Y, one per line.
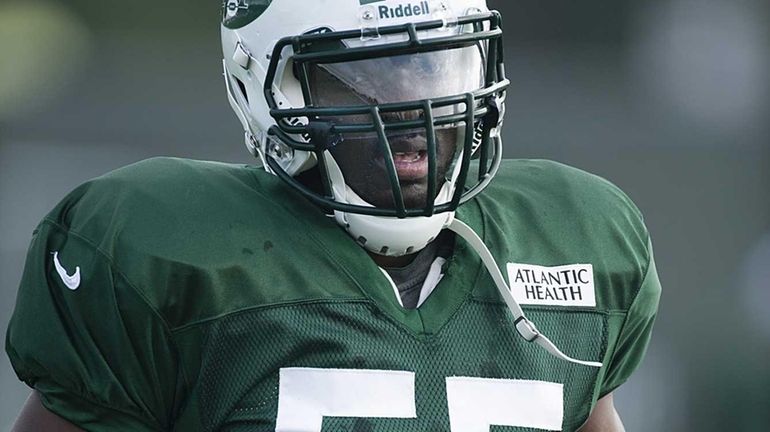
column 411, row 165
column 410, row 157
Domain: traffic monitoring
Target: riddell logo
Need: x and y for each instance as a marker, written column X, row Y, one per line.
column 403, row 10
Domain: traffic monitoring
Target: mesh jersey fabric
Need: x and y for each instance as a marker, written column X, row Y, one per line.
column 479, row 342
column 201, row 281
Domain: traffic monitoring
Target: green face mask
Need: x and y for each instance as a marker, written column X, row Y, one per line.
column 366, row 90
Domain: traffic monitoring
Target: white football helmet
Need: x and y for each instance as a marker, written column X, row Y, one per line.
column 429, row 71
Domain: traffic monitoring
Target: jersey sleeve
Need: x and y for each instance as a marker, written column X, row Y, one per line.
column 635, row 332
column 87, row 341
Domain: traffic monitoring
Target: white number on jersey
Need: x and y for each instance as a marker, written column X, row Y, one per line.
column 307, row 395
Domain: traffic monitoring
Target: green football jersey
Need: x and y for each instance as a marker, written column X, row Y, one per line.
column 195, row 296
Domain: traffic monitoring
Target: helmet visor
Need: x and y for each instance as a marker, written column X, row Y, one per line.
column 425, row 75
column 397, row 79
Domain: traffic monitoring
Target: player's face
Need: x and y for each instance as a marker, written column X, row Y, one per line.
column 395, row 79
column 363, row 164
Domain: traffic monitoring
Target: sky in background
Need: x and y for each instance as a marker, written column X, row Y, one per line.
column 666, row 98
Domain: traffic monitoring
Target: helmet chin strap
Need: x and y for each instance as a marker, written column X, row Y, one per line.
column 526, row 329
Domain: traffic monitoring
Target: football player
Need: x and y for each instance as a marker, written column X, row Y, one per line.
column 371, row 276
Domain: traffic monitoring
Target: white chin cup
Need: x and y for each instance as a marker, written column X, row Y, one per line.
column 392, row 236
column 382, row 235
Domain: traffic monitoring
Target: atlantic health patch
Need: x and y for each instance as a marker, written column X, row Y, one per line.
column 567, row 285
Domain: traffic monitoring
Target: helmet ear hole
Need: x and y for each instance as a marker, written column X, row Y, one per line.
column 242, row 88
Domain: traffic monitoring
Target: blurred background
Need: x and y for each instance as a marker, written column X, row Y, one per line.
column 669, row 99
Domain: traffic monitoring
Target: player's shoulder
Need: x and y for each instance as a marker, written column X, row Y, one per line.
column 552, row 195
column 547, row 214
column 555, row 183
column 167, row 178
column 195, row 239
column 150, row 194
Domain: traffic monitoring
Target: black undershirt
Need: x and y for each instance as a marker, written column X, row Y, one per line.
column 409, row 279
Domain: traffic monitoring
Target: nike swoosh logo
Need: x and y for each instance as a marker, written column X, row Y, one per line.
column 72, row 282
